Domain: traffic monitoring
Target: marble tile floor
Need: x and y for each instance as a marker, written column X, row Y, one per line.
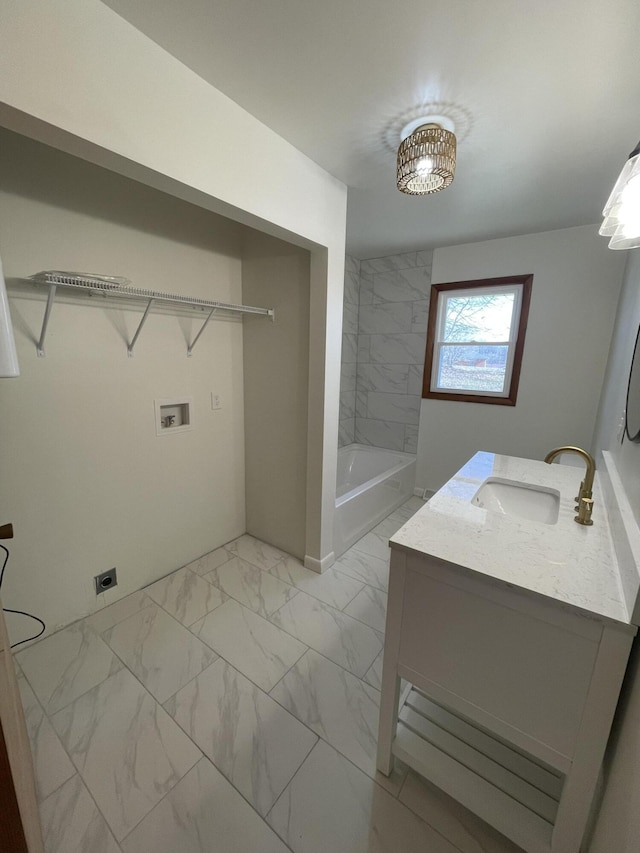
column 232, row 707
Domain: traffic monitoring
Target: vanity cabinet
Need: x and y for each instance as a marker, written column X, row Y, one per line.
column 511, row 693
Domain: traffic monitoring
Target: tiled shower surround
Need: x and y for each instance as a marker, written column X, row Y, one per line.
column 386, row 305
column 349, row 351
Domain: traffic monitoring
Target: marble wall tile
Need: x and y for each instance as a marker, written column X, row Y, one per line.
column 351, row 288
column 365, row 567
column 363, row 352
column 425, row 258
column 405, row 259
column 397, row 408
column 411, row 439
column 362, row 404
column 202, row 814
column 343, row 640
column 335, row 705
column 388, row 263
column 346, row 426
column 379, row 433
column 388, row 378
column 332, row 805
column 369, row 606
column 128, row 750
column 370, row 266
column 350, row 319
column 255, row 647
column 414, row 381
column 408, row 285
column 65, row 665
column 394, row 302
column 51, row 763
column 253, row 587
column 349, row 349
column 366, row 289
column 396, row 349
column 352, row 264
column 347, row 405
column 348, row 377
column 333, row 588
column 346, row 432
column 251, row 739
column 385, row 317
column 71, row 823
column 162, row 653
column 256, row 552
column 185, row 595
column 420, row 317
column 210, row 561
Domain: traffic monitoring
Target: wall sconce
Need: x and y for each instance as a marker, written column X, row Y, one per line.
column 622, row 210
column 8, row 355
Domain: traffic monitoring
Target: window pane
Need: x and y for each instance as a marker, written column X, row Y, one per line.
column 472, row 368
column 484, row 317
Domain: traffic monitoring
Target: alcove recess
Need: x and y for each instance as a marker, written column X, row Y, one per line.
column 174, row 415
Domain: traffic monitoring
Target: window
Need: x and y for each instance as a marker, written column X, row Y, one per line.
column 475, row 339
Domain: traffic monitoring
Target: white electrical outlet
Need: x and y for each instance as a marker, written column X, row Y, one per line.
column 216, row 401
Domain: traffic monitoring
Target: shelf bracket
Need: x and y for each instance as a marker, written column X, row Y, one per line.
column 202, row 328
column 45, row 322
column 139, row 329
column 120, row 287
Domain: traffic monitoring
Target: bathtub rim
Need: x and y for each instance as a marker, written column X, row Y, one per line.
column 406, row 459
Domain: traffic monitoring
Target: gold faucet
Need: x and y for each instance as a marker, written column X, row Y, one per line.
column 584, row 500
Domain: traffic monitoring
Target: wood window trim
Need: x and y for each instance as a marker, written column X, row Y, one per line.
column 526, row 281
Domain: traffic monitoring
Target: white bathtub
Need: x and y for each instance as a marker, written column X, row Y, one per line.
column 370, row 484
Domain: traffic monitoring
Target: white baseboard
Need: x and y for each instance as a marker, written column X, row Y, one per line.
column 319, row 565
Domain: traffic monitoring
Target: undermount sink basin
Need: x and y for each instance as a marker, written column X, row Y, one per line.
column 510, row 497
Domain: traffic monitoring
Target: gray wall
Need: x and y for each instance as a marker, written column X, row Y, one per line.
column 85, row 479
column 576, row 284
column 385, row 318
column 618, row 825
column 276, row 391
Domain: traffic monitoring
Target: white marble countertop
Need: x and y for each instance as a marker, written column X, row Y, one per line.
column 567, row 562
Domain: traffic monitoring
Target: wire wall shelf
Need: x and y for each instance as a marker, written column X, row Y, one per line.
column 120, row 287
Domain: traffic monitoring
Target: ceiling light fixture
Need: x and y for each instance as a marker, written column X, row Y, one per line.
column 427, row 155
column 622, row 210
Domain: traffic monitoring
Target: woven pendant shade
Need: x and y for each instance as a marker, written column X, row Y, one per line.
column 426, row 160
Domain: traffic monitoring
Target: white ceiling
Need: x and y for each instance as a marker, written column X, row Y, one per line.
column 552, row 88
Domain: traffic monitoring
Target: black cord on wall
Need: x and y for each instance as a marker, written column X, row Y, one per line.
column 19, row 612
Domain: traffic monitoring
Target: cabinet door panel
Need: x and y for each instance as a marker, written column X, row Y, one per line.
column 528, row 673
